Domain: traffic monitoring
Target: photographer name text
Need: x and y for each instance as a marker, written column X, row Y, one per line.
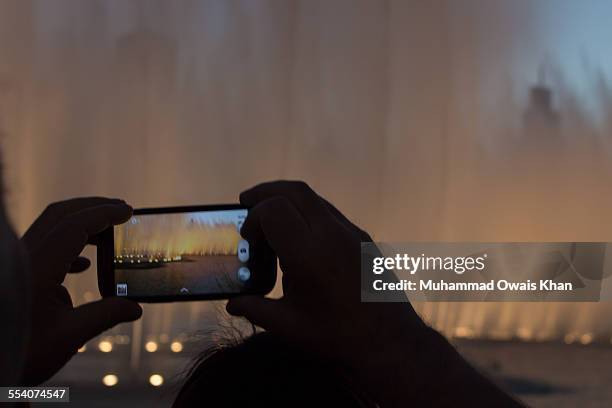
column 444, row 286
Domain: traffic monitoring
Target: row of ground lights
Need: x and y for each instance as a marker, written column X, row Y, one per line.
column 110, row 380
column 522, row 334
column 106, row 346
column 152, row 346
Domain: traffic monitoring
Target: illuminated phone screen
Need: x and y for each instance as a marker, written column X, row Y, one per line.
column 174, row 254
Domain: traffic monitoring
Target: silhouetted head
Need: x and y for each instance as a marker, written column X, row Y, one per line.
column 265, row 371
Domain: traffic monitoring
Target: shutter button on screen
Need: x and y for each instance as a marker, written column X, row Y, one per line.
column 244, row 274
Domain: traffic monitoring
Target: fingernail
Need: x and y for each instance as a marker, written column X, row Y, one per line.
column 122, row 309
column 135, row 311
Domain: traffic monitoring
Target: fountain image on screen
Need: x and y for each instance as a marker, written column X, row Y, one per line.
column 190, row 253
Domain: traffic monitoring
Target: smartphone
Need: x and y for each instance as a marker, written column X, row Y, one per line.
column 183, row 253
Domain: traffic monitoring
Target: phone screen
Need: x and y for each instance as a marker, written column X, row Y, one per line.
column 182, row 254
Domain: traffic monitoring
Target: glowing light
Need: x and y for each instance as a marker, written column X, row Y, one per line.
column 156, row 380
column 110, row 380
column 569, row 338
column 82, row 349
column 524, row 333
column 464, row 332
column 586, row 338
column 105, row 346
column 151, row 346
column 176, row 346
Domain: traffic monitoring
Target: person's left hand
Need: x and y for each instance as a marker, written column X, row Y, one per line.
column 53, row 245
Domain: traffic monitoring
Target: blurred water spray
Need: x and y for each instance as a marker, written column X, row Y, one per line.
column 413, row 117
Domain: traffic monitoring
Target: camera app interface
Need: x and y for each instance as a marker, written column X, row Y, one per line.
column 191, row 253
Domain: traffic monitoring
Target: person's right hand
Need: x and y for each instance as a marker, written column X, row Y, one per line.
column 319, row 254
column 389, row 351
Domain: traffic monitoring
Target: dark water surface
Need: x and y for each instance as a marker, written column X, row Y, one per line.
column 197, row 274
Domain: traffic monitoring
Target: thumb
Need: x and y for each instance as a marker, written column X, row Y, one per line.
column 271, row 314
column 91, row 319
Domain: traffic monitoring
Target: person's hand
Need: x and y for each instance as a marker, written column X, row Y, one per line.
column 389, row 351
column 53, row 245
column 319, row 253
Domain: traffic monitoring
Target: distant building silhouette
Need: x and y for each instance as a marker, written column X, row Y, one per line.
column 540, row 112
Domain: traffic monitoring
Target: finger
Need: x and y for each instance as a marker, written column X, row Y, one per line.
column 89, row 320
column 307, row 202
column 55, row 212
column 271, row 314
column 62, row 294
column 68, row 239
column 81, row 264
column 278, row 222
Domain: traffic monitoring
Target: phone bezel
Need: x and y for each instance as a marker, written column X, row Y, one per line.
column 262, row 261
